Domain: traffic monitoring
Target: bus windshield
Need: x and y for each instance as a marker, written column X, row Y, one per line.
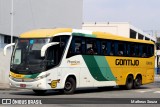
column 26, row 56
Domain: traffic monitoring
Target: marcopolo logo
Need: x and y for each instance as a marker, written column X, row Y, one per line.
column 127, row 62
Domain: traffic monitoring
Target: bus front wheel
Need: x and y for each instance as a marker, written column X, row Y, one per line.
column 40, row 92
column 129, row 82
column 70, row 86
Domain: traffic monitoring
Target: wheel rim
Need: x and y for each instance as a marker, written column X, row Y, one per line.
column 68, row 86
column 138, row 82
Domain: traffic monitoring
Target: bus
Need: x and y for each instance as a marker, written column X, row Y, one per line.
column 66, row 59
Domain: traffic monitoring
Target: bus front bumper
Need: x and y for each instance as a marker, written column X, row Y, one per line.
column 39, row 84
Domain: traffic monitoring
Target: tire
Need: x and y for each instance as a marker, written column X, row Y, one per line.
column 129, row 82
column 137, row 82
column 40, row 92
column 70, row 86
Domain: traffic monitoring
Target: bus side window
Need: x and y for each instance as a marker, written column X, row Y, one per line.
column 83, row 46
column 112, row 48
column 121, row 48
column 92, row 46
column 128, row 49
column 137, row 51
column 132, row 50
column 78, row 46
column 75, row 47
column 140, row 50
column 104, row 48
column 150, row 50
column 98, row 47
column 144, row 50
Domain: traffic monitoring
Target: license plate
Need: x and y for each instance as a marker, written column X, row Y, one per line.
column 22, row 85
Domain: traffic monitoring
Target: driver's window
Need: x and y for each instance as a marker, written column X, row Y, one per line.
column 51, row 61
column 55, row 52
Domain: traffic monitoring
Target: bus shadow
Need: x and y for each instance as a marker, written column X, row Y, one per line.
column 96, row 90
column 78, row 91
column 31, row 93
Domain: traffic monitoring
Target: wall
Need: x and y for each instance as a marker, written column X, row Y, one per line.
column 117, row 28
column 121, row 29
column 4, row 66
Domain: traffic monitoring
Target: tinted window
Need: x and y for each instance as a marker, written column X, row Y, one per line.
column 104, row 47
column 121, row 49
column 92, row 46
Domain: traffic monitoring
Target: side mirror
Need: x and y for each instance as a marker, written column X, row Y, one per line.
column 5, row 48
column 45, row 47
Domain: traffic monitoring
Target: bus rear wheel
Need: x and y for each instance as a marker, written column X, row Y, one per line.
column 137, row 82
column 129, row 82
column 40, row 92
column 70, row 86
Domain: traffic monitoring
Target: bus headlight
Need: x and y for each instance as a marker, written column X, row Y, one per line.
column 42, row 76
